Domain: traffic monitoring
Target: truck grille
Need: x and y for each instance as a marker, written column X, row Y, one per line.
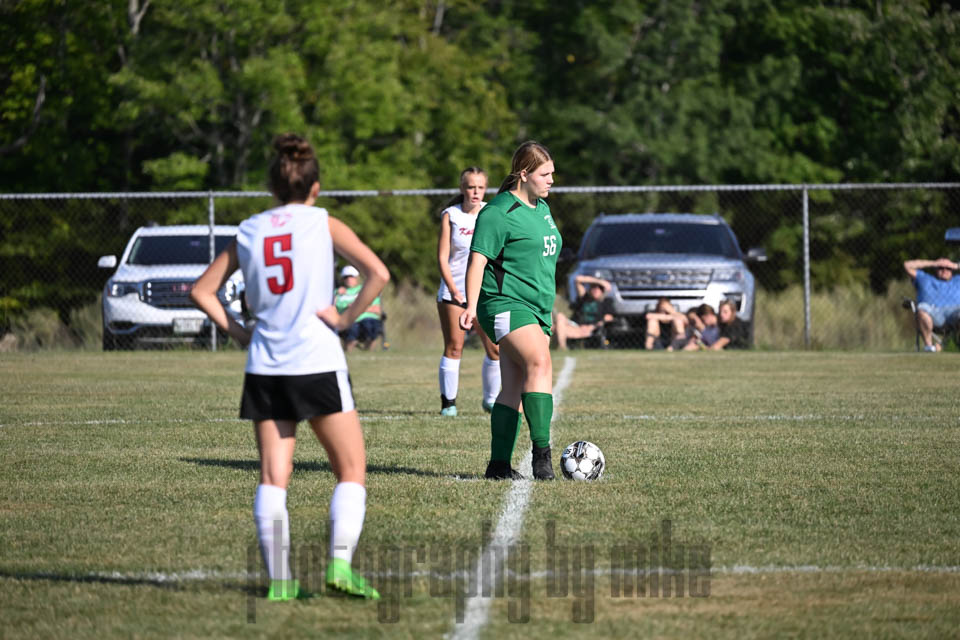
column 167, row 293
column 663, row 278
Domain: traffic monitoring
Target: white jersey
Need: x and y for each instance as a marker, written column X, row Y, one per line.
column 286, row 255
column 461, row 233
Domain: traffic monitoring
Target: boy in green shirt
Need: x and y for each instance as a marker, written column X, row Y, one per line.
column 369, row 324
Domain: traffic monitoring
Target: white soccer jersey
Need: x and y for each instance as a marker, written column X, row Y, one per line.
column 461, row 233
column 286, row 255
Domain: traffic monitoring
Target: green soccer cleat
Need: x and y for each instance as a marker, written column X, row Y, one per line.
column 449, row 412
column 487, row 406
column 283, row 590
column 342, row 578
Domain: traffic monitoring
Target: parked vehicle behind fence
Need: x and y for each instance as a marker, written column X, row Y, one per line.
column 146, row 300
column 690, row 259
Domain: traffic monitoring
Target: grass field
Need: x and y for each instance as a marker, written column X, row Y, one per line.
column 787, row 493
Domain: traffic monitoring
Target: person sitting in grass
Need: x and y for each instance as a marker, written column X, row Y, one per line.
column 369, row 324
column 733, row 332
column 705, row 326
column 667, row 328
column 591, row 310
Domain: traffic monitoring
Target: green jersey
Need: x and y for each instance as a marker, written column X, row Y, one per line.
column 345, row 299
column 521, row 245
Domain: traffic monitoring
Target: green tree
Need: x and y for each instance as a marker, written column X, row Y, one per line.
column 54, row 108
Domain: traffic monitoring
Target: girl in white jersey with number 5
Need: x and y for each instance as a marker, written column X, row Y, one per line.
column 457, row 221
column 296, row 369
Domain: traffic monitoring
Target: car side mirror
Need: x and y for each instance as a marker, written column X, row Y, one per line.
column 107, row 262
column 567, row 255
column 756, row 254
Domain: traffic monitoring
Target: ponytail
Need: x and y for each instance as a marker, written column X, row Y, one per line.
column 528, row 156
column 294, row 169
column 509, row 183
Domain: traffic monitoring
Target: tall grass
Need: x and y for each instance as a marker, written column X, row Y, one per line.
column 411, row 321
column 849, row 317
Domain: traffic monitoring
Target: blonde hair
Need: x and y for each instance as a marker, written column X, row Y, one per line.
column 458, row 199
column 528, row 156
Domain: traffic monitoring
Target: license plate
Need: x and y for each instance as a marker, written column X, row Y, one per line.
column 187, row 325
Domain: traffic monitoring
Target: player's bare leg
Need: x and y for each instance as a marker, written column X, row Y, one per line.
column 528, row 348
column 490, row 370
column 342, row 438
column 275, row 443
column 449, row 370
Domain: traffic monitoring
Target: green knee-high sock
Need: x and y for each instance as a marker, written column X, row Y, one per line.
column 504, row 426
column 538, row 407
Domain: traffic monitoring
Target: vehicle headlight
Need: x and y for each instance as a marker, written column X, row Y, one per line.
column 231, row 291
column 117, row 289
column 603, row 274
column 727, row 275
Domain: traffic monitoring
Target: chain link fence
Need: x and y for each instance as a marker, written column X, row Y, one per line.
column 832, row 277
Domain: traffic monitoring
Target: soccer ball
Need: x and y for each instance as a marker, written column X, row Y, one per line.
column 582, row 460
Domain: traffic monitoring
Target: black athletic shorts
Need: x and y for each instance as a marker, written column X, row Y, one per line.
column 462, row 305
column 295, row 397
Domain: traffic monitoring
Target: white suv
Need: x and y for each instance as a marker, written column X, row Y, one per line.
column 146, row 300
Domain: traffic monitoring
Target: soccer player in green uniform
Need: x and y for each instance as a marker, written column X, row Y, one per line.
column 511, row 286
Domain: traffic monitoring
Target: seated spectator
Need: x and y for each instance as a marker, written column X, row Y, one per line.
column 733, row 333
column 667, row 328
column 589, row 312
column 705, row 327
column 368, row 325
column 938, row 297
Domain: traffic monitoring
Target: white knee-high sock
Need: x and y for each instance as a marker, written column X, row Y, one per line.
column 491, row 379
column 347, row 509
column 273, row 530
column 449, row 377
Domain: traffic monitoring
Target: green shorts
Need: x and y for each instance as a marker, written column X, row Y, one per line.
column 498, row 325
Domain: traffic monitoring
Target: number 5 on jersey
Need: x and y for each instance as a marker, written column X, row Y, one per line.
column 549, row 245
column 271, row 247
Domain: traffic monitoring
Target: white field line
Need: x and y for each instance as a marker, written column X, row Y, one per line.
column 203, row 575
column 106, row 421
column 507, row 532
column 811, row 417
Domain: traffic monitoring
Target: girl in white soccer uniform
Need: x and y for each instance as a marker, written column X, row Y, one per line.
column 453, row 251
column 295, row 368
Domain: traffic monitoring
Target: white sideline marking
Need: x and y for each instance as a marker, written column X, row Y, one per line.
column 506, row 532
column 76, row 423
column 204, row 575
column 810, row 417
column 782, row 417
column 88, row 423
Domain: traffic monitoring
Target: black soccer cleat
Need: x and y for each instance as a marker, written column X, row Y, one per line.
column 500, row 470
column 542, row 465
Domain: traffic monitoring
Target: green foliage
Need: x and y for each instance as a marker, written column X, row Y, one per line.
column 178, row 171
column 132, row 95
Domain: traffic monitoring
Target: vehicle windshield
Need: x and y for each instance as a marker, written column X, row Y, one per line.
column 654, row 237
column 161, row 250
